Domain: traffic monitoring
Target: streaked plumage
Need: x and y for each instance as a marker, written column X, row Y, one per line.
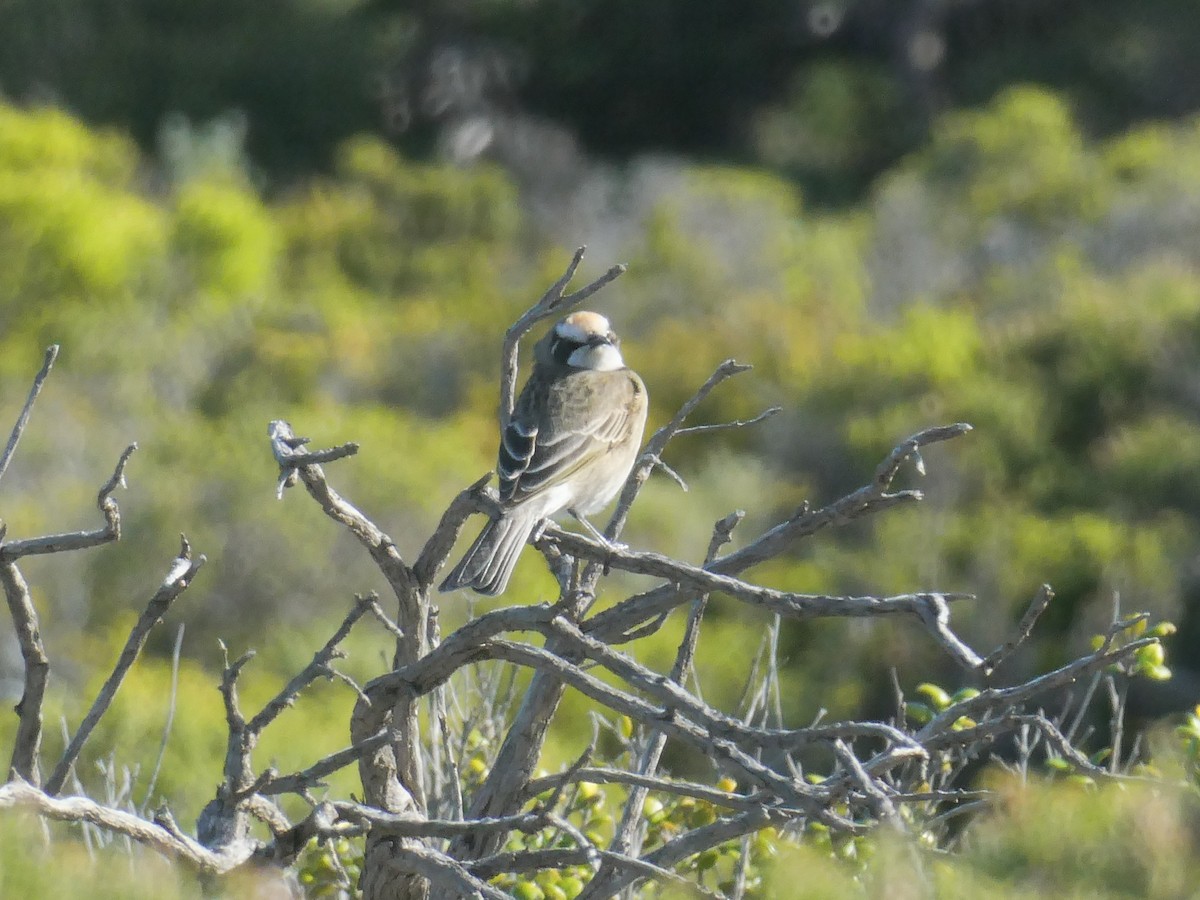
column 573, row 437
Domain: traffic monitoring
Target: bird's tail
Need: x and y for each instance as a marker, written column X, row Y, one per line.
column 488, row 565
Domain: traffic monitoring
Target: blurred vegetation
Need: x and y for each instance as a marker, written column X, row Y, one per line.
column 1014, row 271
column 1044, row 836
column 831, row 91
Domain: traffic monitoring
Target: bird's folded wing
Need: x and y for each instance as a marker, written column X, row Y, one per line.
column 574, row 428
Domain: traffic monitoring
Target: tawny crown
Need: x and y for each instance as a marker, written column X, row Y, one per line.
column 582, row 325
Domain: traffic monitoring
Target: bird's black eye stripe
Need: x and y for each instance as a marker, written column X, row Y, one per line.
column 561, row 349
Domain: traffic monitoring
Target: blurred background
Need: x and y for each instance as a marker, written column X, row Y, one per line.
column 903, row 213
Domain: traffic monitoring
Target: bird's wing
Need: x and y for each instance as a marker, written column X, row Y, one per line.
column 560, row 426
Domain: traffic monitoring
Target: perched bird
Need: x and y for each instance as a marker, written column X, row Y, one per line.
column 571, row 441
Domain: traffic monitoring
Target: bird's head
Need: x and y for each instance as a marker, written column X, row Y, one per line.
column 582, row 340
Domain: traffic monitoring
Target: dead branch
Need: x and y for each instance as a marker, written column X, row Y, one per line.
column 1024, row 629
column 441, row 542
column 178, row 578
column 306, row 780
column 611, row 624
column 14, row 437
column 78, row 540
column 317, row 668
column 170, row 843
column 25, row 620
column 28, row 742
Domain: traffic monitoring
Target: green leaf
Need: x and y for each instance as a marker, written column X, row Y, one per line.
column 1156, row 673
column 936, row 695
column 919, row 712
column 1150, row 655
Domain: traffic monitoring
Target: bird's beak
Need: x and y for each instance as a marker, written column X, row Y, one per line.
column 597, row 339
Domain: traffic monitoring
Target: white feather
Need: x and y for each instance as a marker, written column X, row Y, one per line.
column 600, row 358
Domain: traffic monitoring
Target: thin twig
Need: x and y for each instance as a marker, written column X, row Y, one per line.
column 613, row 623
column 79, row 540
column 307, row 779
column 441, row 542
column 725, row 426
column 626, row 838
column 316, row 668
column 178, row 578
column 162, row 746
column 23, row 419
column 1024, row 628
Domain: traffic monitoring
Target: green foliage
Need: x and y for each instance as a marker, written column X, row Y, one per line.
column 224, row 237
column 71, row 229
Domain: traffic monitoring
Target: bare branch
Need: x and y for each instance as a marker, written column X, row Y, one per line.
column 288, row 844
column 392, row 772
column 615, row 622
column 224, row 822
column 178, row 578
column 239, row 743
column 723, row 750
column 929, row 608
column 725, row 426
column 299, row 782
column 652, row 453
column 288, row 451
column 381, row 547
column 170, row 843
column 23, row 419
column 382, row 618
column 26, row 747
column 441, row 542
column 697, row 841
column 443, row 870
column 880, row 802
column 869, row 498
column 78, row 540
column 655, row 783
column 939, row 730
column 626, row 838
column 1041, row 600
column 316, row 668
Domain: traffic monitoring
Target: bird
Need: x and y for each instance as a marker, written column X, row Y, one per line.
column 570, row 443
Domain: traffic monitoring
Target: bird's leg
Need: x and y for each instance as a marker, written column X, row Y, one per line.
column 539, row 529
column 595, row 533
